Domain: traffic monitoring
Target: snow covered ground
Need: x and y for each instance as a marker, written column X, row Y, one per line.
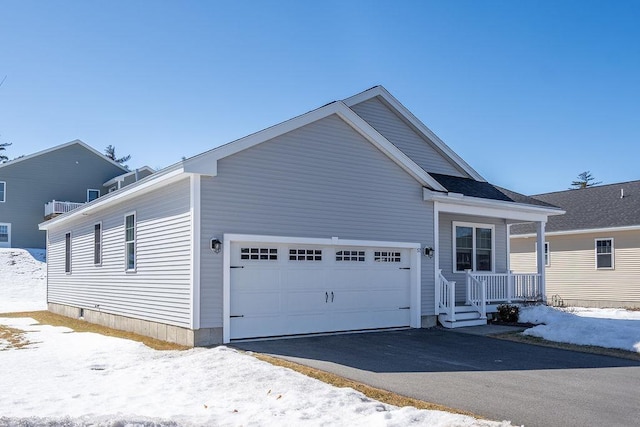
column 603, row 327
column 70, row 378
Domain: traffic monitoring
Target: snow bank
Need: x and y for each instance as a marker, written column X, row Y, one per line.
column 611, row 328
column 89, row 379
column 23, row 280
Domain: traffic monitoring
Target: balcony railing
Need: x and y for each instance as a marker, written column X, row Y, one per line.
column 506, row 287
column 56, row 207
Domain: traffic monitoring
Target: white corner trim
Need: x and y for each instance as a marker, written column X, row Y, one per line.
column 195, row 250
column 226, row 288
column 427, row 133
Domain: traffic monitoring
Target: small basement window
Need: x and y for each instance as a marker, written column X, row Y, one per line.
column 386, row 256
column 305, row 255
column 358, row 256
column 262, row 254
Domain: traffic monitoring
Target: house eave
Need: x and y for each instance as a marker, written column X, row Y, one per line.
column 467, row 205
column 583, row 231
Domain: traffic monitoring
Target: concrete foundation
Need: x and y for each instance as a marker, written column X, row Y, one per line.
column 428, row 321
column 161, row 331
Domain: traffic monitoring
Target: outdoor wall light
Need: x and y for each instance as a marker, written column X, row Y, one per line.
column 216, row 245
column 429, row 251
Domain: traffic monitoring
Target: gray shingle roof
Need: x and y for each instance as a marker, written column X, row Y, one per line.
column 484, row 190
column 590, row 208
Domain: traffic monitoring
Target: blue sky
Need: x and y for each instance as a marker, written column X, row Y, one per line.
column 530, row 93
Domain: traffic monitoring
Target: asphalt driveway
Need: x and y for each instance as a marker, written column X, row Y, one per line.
column 500, row 380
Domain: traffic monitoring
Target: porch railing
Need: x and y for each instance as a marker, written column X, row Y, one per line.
column 447, row 301
column 56, row 207
column 477, row 294
column 508, row 287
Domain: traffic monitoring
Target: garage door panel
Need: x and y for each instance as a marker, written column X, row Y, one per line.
column 298, row 295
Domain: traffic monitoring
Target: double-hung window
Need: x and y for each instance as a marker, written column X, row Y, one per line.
column 92, row 195
column 473, row 246
column 130, row 241
column 97, row 243
column 604, row 253
column 3, row 191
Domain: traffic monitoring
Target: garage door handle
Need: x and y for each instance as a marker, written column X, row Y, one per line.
column 405, row 268
column 237, row 266
column 326, row 297
column 404, row 308
column 237, row 315
column 331, row 296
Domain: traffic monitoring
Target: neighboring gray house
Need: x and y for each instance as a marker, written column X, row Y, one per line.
column 592, row 253
column 353, row 216
column 69, row 174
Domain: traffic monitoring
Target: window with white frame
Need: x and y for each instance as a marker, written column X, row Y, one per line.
column 547, row 257
column 92, row 195
column 350, row 255
column 604, row 253
column 3, row 191
column 130, row 241
column 4, row 233
column 67, row 253
column 97, row 243
column 387, row 256
column 305, row 254
column 473, row 246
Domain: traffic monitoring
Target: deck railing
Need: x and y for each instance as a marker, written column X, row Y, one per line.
column 477, row 294
column 56, row 207
column 447, row 301
column 508, row 287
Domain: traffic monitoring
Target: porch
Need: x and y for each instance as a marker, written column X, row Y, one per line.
column 483, row 293
column 56, row 207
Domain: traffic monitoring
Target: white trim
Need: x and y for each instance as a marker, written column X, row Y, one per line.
column 6, row 244
column 145, row 186
column 120, row 178
column 595, row 250
column 4, row 191
column 467, row 205
column 92, row 189
column 99, row 264
column 585, row 231
column 195, row 250
column 59, row 147
column 508, row 246
column 427, row 133
column 415, row 314
column 474, row 226
column 436, row 256
column 135, row 243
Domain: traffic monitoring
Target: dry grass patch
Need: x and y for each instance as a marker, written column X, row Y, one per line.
column 614, row 352
column 48, row 318
column 12, row 338
column 371, row 392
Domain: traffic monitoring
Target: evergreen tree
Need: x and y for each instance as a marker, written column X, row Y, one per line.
column 585, row 179
column 110, row 152
column 3, row 147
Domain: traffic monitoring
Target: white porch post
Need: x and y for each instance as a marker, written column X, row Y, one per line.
column 436, row 256
column 540, row 225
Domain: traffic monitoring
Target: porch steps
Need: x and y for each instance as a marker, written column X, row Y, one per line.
column 465, row 315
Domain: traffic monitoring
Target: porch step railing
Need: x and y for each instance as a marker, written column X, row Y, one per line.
column 447, row 301
column 508, row 287
column 477, row 294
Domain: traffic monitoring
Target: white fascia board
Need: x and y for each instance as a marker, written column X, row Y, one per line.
column 584, row 231
column 125, row 175
column 61, row 146
column 491, row 208
column 126, row 193
column 324, row 241
column 206, row 163
column 416, row 123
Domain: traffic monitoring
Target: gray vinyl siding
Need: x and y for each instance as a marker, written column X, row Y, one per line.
column 403, row 136
column 321, row 180
column 572, row 272
column 446, row 247
column 64, row 174
column 160, row 288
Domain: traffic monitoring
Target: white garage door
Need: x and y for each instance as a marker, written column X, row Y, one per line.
column 284, row 289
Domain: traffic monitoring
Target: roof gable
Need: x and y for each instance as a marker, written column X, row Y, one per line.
column 416, row 125
column 599, row 207
column 60, row 147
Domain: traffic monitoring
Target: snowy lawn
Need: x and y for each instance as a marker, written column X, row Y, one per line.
column 610, row 328
column 70, row 378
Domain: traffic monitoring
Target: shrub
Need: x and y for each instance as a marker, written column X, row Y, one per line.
column 508, row 313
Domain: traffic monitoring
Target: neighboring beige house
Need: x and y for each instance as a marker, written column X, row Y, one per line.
column 592, row 253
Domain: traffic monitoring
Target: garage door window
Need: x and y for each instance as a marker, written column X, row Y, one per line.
column 305, row 254
column 386, row 256
column 357, row 256
column 260, row 254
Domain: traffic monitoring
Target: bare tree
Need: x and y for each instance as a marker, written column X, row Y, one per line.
column 585, row 179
